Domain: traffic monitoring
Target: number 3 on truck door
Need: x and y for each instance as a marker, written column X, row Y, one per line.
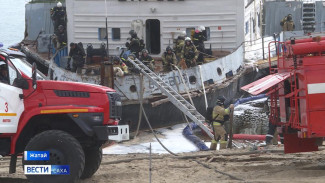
column 11, row 106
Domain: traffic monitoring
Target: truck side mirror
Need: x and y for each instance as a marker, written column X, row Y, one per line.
column 34, row 71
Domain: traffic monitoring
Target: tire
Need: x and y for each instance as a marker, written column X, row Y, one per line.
column 64, row 150
column 93, row 159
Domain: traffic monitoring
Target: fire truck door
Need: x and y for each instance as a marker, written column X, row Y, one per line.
column 11, row 106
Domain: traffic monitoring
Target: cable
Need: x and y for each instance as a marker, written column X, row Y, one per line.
column 162, row 145
column 223, row 173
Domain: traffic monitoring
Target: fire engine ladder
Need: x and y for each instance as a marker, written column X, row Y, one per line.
column 294, row 99
column 308, row 17
column 173, row 96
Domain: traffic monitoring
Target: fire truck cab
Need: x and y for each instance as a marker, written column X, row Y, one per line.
column 296, row 90
column 70, row 120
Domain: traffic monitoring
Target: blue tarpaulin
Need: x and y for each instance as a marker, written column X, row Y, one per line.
column 248, row 99
column 188, row 133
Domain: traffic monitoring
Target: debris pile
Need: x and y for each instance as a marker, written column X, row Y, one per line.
column 250, row 118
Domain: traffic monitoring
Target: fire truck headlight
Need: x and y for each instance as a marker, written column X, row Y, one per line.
column 98, row 118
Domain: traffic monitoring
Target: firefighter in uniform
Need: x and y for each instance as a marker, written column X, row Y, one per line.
column 78, row 55
column 198, row 41
column 60, row 38
column 168, row 59
column 218, row 116
column 287, row 23
column 146, row 59
column 180, row 41
column 189, row 53
column 272, row 135
column 58, row 16
column 134, row 45
column 120, row 68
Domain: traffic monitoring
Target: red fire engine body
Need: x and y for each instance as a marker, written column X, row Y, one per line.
column 296, row 90
column 70, row 120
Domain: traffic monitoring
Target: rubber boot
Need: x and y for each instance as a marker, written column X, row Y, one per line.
column 223, row 144
column 213, row 146
column 268, row 139
column 275, row 138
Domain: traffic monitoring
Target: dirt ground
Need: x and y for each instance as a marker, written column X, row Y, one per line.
column 211, row 166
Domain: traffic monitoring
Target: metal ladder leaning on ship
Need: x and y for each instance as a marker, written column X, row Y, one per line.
column 173, row 96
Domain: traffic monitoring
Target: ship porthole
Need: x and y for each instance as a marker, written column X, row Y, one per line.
column 192, row 80
column 219, row 71
column 133, row 88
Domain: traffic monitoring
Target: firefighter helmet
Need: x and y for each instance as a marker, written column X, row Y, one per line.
column 133, row 33
column 183, row 33
column 144, row 51
column 116, row 59
column 61, row 28
column 169, row 48
column 188, row 41
column 201, row 28
column 220, row 100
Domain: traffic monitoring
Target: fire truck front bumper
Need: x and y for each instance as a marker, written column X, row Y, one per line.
column 115, row 133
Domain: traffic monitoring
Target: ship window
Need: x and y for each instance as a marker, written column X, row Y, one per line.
column 102, row 33
column 219, row 71
column 206, row 33
column 246, row 27
column 190, row 32
column 133, row 88
column 192, row 80
column 116, row 34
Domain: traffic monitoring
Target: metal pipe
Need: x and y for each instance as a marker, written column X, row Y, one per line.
column 205, row 95
column 106, row 30
column 150, row 164
column 307, row 48
column 312, row 39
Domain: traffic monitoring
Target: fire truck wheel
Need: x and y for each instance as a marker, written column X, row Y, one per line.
column 64, row 149
column 93, row 158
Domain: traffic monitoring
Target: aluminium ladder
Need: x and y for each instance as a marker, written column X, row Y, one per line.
column 173, row 96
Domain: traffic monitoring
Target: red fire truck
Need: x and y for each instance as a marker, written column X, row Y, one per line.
column 70, row 120
column 296, row 90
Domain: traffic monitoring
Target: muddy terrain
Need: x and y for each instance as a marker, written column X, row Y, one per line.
column 217, row 166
